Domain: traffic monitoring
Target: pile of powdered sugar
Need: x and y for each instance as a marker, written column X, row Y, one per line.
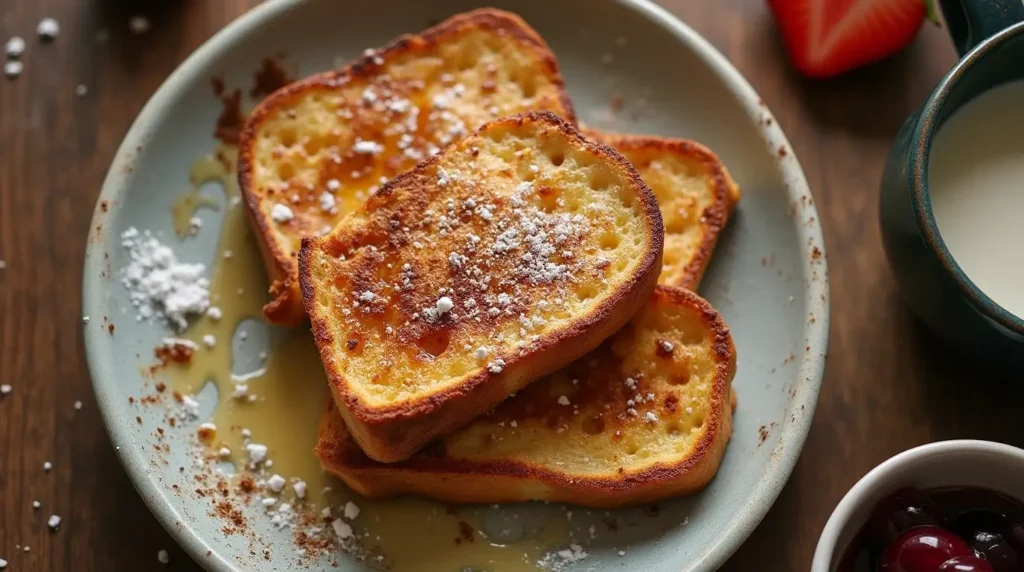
column 159, row 287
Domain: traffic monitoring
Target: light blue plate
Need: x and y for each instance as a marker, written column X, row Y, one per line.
column 768, row 277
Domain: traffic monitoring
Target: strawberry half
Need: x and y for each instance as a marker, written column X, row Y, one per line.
column 828, row 37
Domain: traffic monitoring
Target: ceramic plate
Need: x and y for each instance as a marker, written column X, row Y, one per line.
column 630, row 67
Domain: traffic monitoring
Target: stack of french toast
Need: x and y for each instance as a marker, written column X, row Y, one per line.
column 502, row 299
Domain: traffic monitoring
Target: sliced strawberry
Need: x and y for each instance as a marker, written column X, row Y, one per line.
column 828, row 37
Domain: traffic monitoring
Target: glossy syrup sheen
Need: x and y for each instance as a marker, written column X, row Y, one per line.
column 412, row 534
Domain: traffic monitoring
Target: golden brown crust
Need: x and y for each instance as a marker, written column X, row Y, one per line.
column 396, row 431
column 434, row 472
column 286, row 307
column 725, row 192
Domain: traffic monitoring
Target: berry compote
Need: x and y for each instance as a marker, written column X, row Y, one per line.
column 962, row 529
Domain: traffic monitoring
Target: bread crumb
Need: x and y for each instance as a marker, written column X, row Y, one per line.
column 163, row 557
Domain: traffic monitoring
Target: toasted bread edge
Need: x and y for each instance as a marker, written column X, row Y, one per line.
column 457, row 481
column 286, row 308
column 396, row 432
column 713, row 218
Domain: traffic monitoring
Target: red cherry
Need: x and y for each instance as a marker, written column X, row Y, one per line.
column 901, row 511
column 923, row 549
column 968, row 563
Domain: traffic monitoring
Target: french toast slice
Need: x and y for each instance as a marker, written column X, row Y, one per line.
column 312, row 151
column 508, row 255
column 644, row 417
column 695, row 192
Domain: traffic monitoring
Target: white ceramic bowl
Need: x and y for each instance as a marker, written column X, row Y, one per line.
column 947, row 463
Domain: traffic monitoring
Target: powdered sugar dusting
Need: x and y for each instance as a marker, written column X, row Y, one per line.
column 159, row 286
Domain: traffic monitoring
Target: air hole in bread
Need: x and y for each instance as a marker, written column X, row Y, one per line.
column 315, row 144
column 434, row 343
column 287, row 136
column 528, row 85
column 599, row 179
column 593, row 425
column 673, row 429
column 681, row 378
column 586, row 291
column 468, row 59
column 557, row 158
column 698, row 423
column 609, row 241
column 632, row 448
column 285, row 171
column 626, row 197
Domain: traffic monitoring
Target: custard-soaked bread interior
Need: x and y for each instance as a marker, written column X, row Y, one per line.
column 508, row 255
column 644, row 417
column 313, row 151
column 694, row 191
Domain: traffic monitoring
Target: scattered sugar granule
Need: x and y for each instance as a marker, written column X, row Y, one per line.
column 481, row 352
column 81, row 90
column 5, row 389
column 327, row 202
column 209, row 341
column 48, row 29
column 85, row 319
column 13, row 69
column 214, row 313
column 281, row 213
column 444, row 303
column 257, row 452
column 241, row 391
column 162, row 557
column 563, row 400
column 561, row 559
column 276, row 483
column 367, row 147
column 53, row 522
column 351, row 510
column 224, row 452
column 189, row 407
column 36, row 504
column 326, row 512
column 300, row 489
column 341, row 528
column 78, row 405
column 138, row 24
column 14, row 47
column 47, row 466
column 513, row 424
column 622, row 553
column 268, row 501
column 650, row 417
column 158, row 285
column 333, row 185
column 443, row 177
column 3, row 564
column 496, row 366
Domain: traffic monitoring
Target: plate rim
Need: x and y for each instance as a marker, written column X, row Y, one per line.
column 808, row 377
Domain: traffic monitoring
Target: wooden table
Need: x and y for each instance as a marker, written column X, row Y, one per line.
column 887, row 387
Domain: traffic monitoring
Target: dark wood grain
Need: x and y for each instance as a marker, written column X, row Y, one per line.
column 888, row 387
